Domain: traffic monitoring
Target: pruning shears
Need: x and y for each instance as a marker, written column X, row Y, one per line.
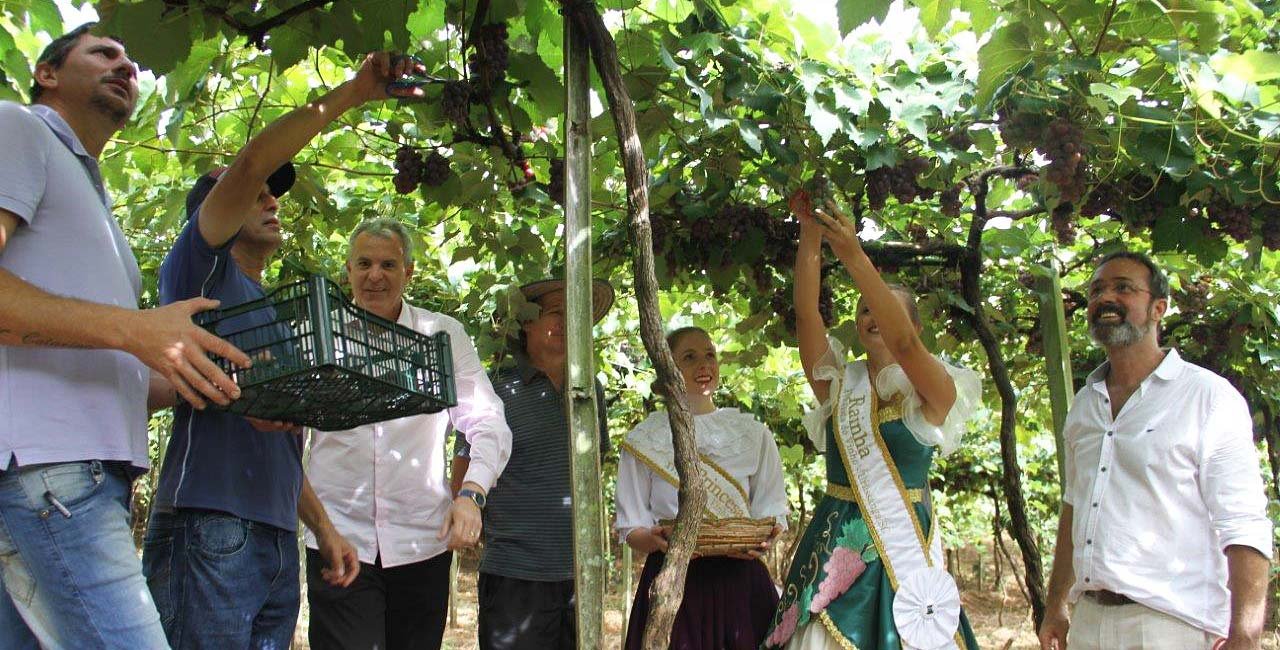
column 412, row 80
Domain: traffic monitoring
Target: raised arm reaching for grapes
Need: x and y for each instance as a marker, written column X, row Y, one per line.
column 886, row 318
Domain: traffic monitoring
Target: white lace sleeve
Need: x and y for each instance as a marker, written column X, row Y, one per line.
column 830, row 368
column 947, row 436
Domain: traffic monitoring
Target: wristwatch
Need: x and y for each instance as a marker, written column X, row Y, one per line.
column 476, row 497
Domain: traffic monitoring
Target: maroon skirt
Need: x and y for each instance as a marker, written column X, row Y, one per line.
column 728, row 605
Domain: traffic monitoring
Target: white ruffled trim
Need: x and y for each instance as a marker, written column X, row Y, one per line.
column 830, row 368
column 946, row 437
column 891, row 381
column 723, row 433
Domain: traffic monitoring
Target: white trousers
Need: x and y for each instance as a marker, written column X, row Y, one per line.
column 1131, row 627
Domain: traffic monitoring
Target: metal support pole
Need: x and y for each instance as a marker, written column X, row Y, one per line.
column 1057, row 354
column 588, row 518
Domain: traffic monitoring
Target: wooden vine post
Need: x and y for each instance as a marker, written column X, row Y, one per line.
column 668, row 588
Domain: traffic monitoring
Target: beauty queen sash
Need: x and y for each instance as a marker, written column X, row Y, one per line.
column 926, row 605
column 725, row 497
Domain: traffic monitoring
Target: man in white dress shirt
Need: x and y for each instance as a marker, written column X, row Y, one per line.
column 1163, row 538
column 384, row 485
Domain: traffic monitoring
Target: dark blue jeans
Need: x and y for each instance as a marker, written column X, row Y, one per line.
column 220, row 581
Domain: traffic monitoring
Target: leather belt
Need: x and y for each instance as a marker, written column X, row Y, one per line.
column 845, row 493
column 1109, row 598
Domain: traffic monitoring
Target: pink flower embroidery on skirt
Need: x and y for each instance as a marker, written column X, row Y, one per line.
column 842, row 568
column 786, row 627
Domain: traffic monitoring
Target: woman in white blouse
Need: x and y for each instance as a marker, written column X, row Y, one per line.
column 729, row 600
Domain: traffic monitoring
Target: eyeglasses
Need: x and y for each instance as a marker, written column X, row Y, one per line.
column 1122, row 288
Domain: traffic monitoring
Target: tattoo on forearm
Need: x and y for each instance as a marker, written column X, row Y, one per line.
column 41, row 340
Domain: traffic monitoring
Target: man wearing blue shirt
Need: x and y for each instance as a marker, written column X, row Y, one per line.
column 221, row 554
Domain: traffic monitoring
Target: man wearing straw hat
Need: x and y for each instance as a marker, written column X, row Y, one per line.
column 526, row 584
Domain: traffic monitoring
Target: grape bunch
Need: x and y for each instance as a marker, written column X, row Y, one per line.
column 1021, row 130
column 1063, row 222
column 1194, row 296
column 902, row 181
column 488, row 63
column 414, row 169
column 960, row 140
column 660, row 229
column 819, row 192
column 1063, row 144
column 917, row 233
column 950, row 200
column 1231, row 219
column 435, row 170
column 1027, row 279
column 556, row 186
column 762, row 276
column 782, row 306
column 1271, row 228
column 826, row 304
column 455, row 102
column 878, row 187
column 1104, row 199
column 408, row 169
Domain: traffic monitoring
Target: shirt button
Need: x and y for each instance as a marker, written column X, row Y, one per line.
column 1103, row 469
column 1088, row 541
column 1095, row 504
column 1087, row 580
column 1111, row 433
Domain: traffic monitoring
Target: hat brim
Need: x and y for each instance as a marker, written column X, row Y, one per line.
column 602, row 294
column 279, row 182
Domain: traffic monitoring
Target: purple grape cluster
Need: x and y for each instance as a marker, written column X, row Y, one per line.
column 455, row 103
column 1063, row 144
column 1063, row 223
column 488, row 63
column 414, row 169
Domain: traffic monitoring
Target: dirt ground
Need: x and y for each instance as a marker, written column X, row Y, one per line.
column 999, row 614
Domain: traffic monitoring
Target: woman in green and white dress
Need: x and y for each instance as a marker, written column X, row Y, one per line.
column 868, row 573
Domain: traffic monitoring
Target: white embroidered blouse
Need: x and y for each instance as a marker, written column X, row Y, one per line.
column 734, row 440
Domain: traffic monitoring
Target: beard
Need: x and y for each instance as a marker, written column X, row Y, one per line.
column 115, row 109
column 1121, row 334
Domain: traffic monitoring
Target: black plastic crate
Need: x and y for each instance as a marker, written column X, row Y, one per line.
column 320, row 361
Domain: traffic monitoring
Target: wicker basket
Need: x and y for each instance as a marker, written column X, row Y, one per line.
column 730, row 534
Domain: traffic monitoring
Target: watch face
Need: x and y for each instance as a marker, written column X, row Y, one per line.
column 474, row 496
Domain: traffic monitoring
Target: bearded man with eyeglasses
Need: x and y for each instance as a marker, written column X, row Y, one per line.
column 1163, row 537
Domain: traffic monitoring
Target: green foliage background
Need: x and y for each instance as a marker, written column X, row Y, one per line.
column 739, row 103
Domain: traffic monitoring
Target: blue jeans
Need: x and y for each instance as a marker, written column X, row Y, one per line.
column 68, row 565
column 220, row 581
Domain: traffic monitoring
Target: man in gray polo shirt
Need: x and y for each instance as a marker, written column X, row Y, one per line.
column 74, row 358
column 526, row 588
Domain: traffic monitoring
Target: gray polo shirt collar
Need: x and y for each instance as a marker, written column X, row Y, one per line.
column 68, row 137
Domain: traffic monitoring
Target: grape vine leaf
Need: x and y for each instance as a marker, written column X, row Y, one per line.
column 852, row 13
